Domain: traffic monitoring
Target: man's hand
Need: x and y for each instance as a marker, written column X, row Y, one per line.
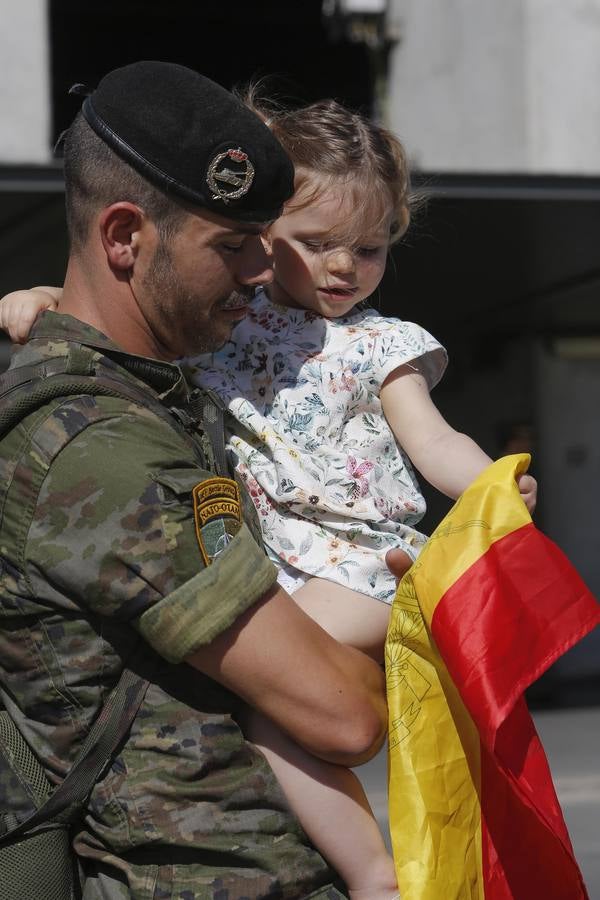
column 20, row 309
column 528, row 491
column 398, row 562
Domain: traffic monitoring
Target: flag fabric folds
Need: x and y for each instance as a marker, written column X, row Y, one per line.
column 487, row 607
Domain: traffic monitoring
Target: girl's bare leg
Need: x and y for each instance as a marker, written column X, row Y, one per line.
column 329, row 800
column 351, row 618
column 333, row 810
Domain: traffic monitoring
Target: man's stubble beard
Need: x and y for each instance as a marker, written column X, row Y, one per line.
column 173, row 301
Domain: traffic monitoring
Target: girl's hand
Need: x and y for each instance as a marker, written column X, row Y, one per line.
column 528, row 491
column 19, row 310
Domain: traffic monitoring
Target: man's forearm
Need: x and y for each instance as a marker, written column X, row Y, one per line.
column 328, row 697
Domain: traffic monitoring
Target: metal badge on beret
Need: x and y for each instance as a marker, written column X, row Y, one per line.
column 217, row 515
column 231, row 167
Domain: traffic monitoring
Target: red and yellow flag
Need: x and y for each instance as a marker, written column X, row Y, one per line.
column 488, row 606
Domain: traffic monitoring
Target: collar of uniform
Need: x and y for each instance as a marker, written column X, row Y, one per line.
column 56, row 329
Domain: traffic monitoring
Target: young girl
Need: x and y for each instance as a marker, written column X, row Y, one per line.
column 331, row 402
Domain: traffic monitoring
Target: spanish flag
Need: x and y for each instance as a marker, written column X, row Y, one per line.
column 488, row 606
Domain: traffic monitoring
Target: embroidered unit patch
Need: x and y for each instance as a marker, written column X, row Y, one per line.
column 217, row 514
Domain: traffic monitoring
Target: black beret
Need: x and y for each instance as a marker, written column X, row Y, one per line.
column 191, row 137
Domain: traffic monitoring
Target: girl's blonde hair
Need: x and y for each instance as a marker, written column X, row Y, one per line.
column 328, row 140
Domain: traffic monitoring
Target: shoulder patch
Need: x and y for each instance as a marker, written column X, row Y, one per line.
column 217, row 515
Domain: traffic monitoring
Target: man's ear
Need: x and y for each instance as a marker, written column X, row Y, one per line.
column 120, row 225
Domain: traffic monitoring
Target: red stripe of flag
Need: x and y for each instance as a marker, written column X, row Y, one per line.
column 527, row 854
column 498, row 627
column 506, row 620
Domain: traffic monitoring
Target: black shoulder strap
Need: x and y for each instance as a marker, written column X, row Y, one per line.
column 208, row 407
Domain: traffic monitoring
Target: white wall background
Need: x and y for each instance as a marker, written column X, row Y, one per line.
column 497, row 85
column 24, row 82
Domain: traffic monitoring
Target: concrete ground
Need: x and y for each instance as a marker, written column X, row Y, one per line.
column 571, row 738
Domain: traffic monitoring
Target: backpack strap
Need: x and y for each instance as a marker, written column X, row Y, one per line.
column 96, row 752
column 25, row 389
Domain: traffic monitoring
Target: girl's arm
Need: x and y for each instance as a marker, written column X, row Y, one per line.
column 447, row 459
column 19, row 310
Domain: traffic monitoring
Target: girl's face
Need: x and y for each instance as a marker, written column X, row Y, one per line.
column 313, row 268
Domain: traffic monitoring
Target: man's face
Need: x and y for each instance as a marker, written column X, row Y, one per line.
column 198, row 283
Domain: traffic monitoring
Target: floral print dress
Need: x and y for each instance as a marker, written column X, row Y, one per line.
column 333, row 489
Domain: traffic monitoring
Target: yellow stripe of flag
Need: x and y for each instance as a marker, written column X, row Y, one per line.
column 434, row 773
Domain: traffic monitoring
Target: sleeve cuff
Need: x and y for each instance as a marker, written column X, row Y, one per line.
column 430, row 362
column 206, row 605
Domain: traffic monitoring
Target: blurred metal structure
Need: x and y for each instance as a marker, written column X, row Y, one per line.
column 360, row 21
column 365, row 22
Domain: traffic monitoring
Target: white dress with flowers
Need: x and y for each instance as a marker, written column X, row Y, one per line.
column 333, row 490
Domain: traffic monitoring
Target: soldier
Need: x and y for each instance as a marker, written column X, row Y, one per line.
column 117, row 528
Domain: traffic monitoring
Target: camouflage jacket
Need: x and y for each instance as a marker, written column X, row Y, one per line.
column 110, row 518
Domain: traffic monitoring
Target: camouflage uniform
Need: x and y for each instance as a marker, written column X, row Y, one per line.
column 100, row 548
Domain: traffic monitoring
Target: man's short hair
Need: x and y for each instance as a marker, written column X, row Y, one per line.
column 95, row 177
